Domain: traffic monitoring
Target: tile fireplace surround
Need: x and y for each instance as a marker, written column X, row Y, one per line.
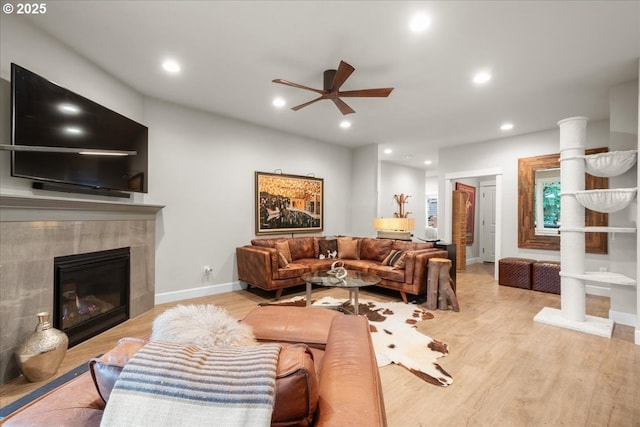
column 34, row 230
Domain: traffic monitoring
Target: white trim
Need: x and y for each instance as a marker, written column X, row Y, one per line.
column 637, row 336
column 475, row 260
column 622, row 317
column 202, row 291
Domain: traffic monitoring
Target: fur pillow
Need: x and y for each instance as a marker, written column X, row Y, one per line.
column 206, row 326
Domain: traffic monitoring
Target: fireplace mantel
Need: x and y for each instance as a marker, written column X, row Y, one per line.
column 29, row 208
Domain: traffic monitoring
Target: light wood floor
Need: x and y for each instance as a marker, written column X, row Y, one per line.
column 507, row 370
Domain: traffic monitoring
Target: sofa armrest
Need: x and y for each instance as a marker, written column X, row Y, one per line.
column 350, row 387
column 416, row 263
column 257, row 264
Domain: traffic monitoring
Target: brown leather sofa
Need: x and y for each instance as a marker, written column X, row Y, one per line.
column 336, row 383
column 260, row 264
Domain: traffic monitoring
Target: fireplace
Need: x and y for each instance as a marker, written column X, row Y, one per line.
column 91, row 292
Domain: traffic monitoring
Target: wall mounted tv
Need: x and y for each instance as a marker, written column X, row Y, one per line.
column 66, row 140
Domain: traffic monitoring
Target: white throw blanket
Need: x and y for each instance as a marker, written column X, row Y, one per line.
column 168, row 384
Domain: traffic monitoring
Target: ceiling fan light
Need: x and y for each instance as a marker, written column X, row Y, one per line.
column 506, row 126
column 345, row 124
column 279, row 102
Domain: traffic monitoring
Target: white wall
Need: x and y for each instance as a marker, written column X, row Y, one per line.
column 364, row 190
column 202, row 168
column 504, row 154
column 396, row 179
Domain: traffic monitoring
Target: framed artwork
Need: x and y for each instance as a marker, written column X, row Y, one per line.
column 471, row 209
column 288, row 203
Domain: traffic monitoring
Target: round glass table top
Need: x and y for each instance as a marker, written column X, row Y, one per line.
column 353, row 279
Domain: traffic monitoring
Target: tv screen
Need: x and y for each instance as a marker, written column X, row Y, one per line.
column 101, row 149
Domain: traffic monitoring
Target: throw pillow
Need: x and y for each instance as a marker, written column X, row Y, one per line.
column 348, row 248
column 106, row 369
column 393, row 256
column 399, row 263
column 283, row 248
column 206, row 326
column 282, row 260
column 327, row 247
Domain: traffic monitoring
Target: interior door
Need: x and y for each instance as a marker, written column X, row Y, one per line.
column 488, row 223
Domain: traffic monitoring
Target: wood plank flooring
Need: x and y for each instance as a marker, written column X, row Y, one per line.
column 507, row 370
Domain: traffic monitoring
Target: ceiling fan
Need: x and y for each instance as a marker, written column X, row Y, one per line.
column 333, row 80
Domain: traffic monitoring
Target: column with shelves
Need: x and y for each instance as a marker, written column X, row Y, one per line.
column 573, row 163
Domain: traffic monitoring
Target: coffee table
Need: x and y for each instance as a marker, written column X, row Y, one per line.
column 353, row 281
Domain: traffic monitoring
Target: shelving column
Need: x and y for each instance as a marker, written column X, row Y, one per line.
column 572, row 144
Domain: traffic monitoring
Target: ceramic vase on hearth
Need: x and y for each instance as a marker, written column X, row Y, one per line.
column 40, row 356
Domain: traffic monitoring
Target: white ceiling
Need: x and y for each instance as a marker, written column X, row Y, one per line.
column 549, row 61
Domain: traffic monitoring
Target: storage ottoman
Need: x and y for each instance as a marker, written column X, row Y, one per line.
column 546, row 276
column 515, row 272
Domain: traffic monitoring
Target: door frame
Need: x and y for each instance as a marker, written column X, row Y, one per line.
column 448, row 188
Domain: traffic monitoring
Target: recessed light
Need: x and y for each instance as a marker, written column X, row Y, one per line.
column 506, row 126
column 279, row 102
column 345, row 124
column 171, row 66
column 388, row 151
column 481, row 77
column 427, row 162
column 419, row 23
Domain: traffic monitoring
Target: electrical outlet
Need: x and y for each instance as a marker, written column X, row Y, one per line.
column 207, row 269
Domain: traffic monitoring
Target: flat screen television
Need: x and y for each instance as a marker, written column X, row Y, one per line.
column 62, row 137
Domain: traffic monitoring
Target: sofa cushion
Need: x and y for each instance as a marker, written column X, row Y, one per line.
column 348, row 248
column 283, row 249
column 327, row 247
column 296, row 397
column 292, row 271
column 388, row 273
column 106, row 369
column 375, row 249
column 301, row 247
column 282, row 260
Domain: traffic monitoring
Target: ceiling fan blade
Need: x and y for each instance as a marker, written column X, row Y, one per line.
column 367, row 93
column 297, row 107
column 342, row 74
column 342, row 106
column 299, row 86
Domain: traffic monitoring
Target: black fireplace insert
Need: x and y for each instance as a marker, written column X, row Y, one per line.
column 91, row 292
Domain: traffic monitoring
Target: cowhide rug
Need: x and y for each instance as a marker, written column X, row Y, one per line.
column 395, row 337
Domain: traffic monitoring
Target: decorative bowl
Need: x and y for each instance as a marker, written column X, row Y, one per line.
column 612, row 163
column 609, row 200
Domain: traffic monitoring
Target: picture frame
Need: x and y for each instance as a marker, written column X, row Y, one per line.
column 288, row 203
column 471, row 210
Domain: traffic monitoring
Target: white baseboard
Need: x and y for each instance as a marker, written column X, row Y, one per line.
column 475, row 260
column 638, row 335
column 202, row 291
column 598, row 291
column 623, row 318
